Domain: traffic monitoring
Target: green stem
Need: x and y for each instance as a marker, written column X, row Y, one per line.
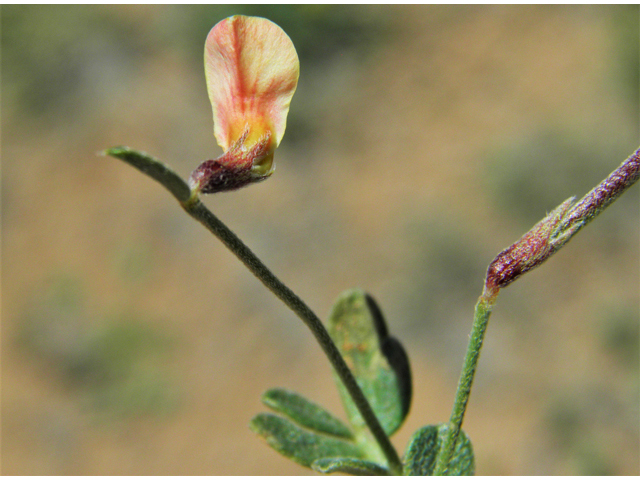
column 546, row 238
column 196, row 209
column 480, row 322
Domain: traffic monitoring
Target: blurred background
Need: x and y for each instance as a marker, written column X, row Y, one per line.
column 421, row 141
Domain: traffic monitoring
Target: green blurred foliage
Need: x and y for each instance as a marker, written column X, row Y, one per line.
column 619, row 334
column 116, row 362
column 447, row 268
column 530, row 177
column 575, row 429
column 50, row 53
column 133, row 263
column 626, row 27
column 318, row 31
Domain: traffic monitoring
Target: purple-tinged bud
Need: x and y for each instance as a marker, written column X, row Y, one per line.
column 527, row 253
column 604, row 194
column 552, row 233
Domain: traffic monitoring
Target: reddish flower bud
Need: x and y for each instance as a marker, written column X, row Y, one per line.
column 527, row 253
column 552, row 233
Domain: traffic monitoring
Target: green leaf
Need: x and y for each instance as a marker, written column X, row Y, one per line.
column 351, row 466
column 420, row 457
column 305, row 413
column 378, row 361
column 298, row 444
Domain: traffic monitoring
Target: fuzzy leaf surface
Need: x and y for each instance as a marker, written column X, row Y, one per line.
column 301, row 446
column 420, row 457
column 305, row 413
column 351, row 466
column 378, row 361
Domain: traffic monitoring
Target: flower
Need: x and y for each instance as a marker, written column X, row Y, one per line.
column 252, row 69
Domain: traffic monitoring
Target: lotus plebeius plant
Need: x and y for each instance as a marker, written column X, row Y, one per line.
column 251, row 70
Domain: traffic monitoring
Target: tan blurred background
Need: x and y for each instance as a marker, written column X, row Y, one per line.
column 421, row 141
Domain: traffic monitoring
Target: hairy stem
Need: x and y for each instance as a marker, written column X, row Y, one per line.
column 196, row 209
column 480, row 322
column 547, row 237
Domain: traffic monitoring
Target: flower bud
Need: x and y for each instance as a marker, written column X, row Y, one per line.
column 527, row 253
column 558, row 227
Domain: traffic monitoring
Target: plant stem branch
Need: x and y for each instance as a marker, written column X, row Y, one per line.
column 480, row 322
column 196, row 209
column 530, row 251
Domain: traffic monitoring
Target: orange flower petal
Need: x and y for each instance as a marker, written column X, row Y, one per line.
column 252, row 71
